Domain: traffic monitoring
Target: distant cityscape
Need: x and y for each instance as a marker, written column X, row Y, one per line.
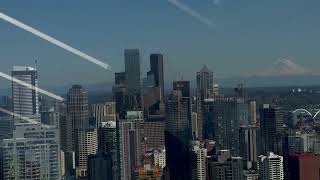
column 144, row 131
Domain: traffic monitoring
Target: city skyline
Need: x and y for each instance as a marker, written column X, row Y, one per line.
column 159, row 90
column 292, row 34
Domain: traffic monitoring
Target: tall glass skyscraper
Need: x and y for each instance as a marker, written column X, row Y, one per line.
column 156, row 64
column 205, row 83
column 133, row 74
column 25, row 100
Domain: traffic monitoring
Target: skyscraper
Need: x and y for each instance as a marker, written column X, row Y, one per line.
column 108, row 144
column 272, row 128
column 206, row 91
column 248, row 145
column 181, row 161
column 133, row 75
column 270, row 167
column 86, row 144
column 25, row 100
column 221, row 124
column 77, row 109
column 120, row 93
column 201, row 153
column 130, row 140
column 205, row 83
column 156, row 64
column 178, row 120
column 77, row 106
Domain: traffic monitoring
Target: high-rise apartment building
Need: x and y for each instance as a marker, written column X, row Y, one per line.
column 133, row 76
column 25, row 100
column 270, row 167
column 86, row 143
column 201, row 154
column 33, row 153
column 159, row 157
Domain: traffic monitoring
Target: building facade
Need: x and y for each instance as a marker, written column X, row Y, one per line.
column 25, row 100
column 270, row 167
column 33, row 153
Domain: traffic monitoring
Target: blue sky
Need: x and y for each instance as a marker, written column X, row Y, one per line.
column 249, row 36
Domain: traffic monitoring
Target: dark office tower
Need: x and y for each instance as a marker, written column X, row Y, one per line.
column 221, row 123
column 120, row 95
column 178, row 120
column 248, row 145
column 25, row 100
column 272, row 129
column 205, row 83
column 208, row 119
column 100, row 167
column 120, row 78
column 108, row 144
column 156, row 64
column 181, row 162
column 225, row 167
column 65, row 129
column 133, row 74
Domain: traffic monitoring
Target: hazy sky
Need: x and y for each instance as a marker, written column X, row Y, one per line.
column 249, row 35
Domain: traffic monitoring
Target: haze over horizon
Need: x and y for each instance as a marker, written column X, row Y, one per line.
column 248, row 36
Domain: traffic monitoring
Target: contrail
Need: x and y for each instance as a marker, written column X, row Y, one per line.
column 22, row 83
column 54, row 41
column 18, row 116
column 193, row 13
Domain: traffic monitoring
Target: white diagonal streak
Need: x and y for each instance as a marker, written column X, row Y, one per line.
column 22, row 83
column 18, row 116
column 54, row 41
column 192, row 13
